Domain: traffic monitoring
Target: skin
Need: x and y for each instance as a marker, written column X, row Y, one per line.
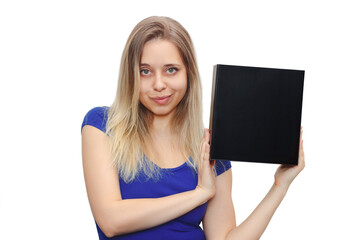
column 162, row 73
column 116, row 216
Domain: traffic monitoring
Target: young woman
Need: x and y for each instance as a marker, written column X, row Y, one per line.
column 146, row 157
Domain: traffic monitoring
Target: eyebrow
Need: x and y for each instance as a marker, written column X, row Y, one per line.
column 166, row 65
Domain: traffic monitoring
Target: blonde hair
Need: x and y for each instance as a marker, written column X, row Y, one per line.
column 128, row 120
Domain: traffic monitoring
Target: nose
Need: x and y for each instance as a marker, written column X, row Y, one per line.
column 159, row 84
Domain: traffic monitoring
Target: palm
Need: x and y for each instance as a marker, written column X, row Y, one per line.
column 285, row 174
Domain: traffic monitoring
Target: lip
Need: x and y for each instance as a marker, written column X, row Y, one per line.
column 162, row 97
column 161, row 100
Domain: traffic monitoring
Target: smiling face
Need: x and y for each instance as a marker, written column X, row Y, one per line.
column 163, row 78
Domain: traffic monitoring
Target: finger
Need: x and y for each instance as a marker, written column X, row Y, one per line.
column 301, row 146
column 202, row 152
column 202, row 140
column 203, row 149
column 301, row 150
column 205, row 130
column 207, row 150
column 301, row 163
column 207, row 135
column 201, row 143
column 301, row 155
column 206, row 160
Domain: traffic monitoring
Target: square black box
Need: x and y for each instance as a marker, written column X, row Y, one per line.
column 255, row 114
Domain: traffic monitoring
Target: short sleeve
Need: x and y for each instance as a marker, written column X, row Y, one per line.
column 96, row 117
column 222, row 166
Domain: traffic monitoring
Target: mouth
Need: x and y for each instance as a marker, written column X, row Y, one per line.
column 161, row 100
column 161, row 97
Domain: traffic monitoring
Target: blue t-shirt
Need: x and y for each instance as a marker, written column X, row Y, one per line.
column 172, row 181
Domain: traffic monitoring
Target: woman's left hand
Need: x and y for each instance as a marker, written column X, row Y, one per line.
column 285, row 174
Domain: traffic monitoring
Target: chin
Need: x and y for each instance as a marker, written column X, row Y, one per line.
column 161, row 113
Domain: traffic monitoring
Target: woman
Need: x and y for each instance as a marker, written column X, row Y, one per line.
column 146, row 157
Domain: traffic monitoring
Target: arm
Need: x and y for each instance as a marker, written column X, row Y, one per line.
column 219, row 219
column 254, row 226
column 114, row 215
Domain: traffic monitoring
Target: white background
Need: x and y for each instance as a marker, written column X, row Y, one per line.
column 59, row 59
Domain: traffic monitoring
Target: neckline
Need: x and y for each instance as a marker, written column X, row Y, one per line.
column 170, row 169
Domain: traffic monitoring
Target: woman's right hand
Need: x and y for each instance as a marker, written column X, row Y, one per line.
column 206, row 175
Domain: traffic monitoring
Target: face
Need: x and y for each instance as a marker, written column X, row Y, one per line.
column 163, row 78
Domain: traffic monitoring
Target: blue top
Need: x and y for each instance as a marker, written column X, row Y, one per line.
column 172, row 181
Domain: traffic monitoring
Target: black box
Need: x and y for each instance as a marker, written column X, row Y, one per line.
column 255, row 114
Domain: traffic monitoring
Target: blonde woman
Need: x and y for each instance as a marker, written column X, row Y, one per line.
column 146, row 157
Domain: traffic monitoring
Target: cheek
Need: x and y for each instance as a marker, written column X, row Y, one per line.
column 181, row 84
column 145, row 86
column 183, row 87
column 143, row 91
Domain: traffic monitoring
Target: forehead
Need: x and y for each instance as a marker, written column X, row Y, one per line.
column 159, row 52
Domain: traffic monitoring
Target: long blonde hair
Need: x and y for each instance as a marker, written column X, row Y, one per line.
column 128, row 120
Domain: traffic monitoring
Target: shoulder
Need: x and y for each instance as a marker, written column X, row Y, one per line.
column 96, row 117
column 222, row 166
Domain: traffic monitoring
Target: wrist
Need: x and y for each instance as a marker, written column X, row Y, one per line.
column 283, row 188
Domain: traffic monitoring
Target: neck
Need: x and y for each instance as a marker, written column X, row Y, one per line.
column 161, row 127
column 162, row 135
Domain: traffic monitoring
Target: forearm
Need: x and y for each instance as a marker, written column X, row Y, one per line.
column 254, row 226
column 130, row 215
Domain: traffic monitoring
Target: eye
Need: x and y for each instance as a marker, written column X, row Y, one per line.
column 145, row 72
column 172, row 70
